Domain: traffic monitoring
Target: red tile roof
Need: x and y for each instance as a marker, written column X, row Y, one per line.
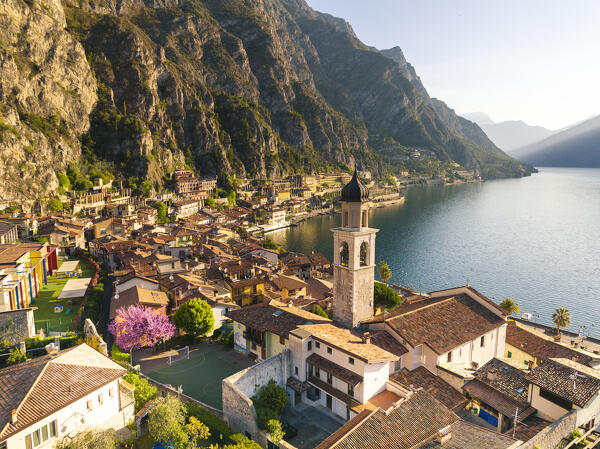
column 434, row 385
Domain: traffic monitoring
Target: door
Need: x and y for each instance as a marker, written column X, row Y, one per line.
column 493, row 420
column 329, row 401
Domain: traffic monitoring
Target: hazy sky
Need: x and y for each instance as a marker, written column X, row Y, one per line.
column 531, row 60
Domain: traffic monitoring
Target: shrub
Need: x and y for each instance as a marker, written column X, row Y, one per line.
column 215, row 424
column 16, row 356
column 144, row 390
column 264, row 415
column 275, row 430
column 271, row 396
column 119, row 355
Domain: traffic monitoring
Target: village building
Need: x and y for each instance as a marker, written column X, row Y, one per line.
column 8, row 233
column 60, row 395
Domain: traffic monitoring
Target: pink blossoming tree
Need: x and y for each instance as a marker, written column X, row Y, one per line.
column 137, row 326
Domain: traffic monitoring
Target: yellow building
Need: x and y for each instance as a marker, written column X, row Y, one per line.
column 284, row 195
column 245, row 292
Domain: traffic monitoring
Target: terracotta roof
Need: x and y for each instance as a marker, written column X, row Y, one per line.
column 349, row 342
column 570, row 380
column 334, row 369
column 505, row 378
column 138, row 295
column 470, row 436
column 540, row 347
column 410, row 424
column 505, row 404
column 271, row 317
column 446, row 323
column 528, row 428
column 388, row 342
column 43, row 386
column 434, row 385
column 287, row 282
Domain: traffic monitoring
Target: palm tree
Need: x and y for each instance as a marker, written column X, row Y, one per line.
column 561, row 318
column 384, row 271
column 510, row 306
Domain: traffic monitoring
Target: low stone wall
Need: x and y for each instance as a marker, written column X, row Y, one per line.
column 238, row 410
column 16, row 325
column 551, row 435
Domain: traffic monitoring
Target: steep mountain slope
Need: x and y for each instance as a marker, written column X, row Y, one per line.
column 511, row 134
column 243, row 87
column 578, row 146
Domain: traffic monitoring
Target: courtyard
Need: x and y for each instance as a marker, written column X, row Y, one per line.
column 313, row 425
column 49, row 296
column 200, row 377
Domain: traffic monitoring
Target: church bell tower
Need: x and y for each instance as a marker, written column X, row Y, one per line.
column 353, row 257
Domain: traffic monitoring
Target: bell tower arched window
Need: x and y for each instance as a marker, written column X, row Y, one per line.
column 344, row 254
column 364, row 254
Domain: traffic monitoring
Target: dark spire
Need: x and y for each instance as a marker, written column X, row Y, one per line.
column 355, row 191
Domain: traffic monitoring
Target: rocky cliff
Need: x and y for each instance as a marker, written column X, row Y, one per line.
column 241, row 87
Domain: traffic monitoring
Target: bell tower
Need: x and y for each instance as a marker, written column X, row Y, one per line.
column 353, row 257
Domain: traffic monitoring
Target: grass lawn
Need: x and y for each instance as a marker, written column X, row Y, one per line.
column 200, row 376
column 47, row 298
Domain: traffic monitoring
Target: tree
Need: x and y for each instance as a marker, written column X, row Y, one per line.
column 161, row 210
column 385, row 296
column 144, row 390
column 137, row 326
column 90, row 439
column 63, row 181
column 510, row 306
column 196, row 430
column 275, row 430
column 195, row 317
column 272, row 396
column 384, row 271
column 318, row 310
column 166, row 422
column 209, row 202
column 240, row 442
column 55, row 204
column 561, row 318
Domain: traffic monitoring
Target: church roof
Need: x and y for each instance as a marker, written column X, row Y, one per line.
column 355, row 191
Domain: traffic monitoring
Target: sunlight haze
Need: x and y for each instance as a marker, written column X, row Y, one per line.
column 535, row 61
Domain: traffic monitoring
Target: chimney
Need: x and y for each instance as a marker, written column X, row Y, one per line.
column 366, row 337
column 444, row 435
column 13, row 416
column 491, row 375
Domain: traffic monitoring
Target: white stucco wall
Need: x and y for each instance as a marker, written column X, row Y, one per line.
column 75, row 417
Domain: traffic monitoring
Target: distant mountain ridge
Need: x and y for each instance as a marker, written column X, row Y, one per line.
column 509, row 135
column 577, row 146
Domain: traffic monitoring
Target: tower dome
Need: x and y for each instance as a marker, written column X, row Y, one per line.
column 355, row 191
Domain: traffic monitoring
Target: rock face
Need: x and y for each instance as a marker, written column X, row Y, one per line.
column 47, row 91
column 241, row 87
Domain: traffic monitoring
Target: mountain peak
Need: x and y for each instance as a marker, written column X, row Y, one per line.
column 481, row 118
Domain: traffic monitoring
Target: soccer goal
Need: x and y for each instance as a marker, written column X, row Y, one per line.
column 182, row 354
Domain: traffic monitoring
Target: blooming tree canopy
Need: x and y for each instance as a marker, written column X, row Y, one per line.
column 137, row 326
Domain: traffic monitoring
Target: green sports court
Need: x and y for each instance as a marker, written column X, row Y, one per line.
column 200, row 376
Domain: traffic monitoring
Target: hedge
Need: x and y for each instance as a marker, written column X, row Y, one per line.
column 216, row 425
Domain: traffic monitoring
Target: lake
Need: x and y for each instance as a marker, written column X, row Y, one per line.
column 534, row 239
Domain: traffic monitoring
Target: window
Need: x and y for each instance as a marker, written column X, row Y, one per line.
column 317, row 372
column 555, row 399
column 364, row 219
column 310, row 345
column 350, row 360
column 482, row 342
column 89, row 405
column 351, row 390
column 509, row 355
column 364, row 254
column 39, row 436
column 111, row 393
column 281, row 340
column 449, row 358
column 344, row 254
column 397, row 365
column 329, row 378
column 317, row 345
column 100, row 399
column 310, row 370
column 329, row 351
column 296, row 370
column 345, row 221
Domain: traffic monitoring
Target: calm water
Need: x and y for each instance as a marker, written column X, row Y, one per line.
column 535, row 239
